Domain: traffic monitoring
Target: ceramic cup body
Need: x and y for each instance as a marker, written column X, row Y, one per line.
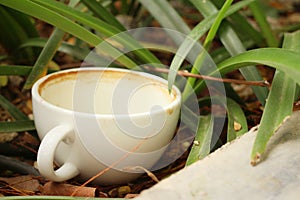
column 90, row 119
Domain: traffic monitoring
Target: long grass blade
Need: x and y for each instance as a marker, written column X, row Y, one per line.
column 282, row 59
column 237, row 122
column 17, row 126
column 166, row 15
column 47, row 15
column 261, row 20
column 75, row 51
column 12, row 109
column 202, row 142
column 40, row 67
column 102, row 13
column 65, row 24
column 199, row 66
column 208, row 40
column 198, row 31
column 10, row 37
column 234, row 46
column 242, row 26
column 15, row 70
column 281, row 97
column 106, row 29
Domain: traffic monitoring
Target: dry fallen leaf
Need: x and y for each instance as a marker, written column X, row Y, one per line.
column 61, row 189
column 22, row 184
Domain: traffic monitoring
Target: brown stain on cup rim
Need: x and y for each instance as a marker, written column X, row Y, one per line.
column 60, row 76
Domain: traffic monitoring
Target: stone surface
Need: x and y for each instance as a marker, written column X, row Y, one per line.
column 227, row 173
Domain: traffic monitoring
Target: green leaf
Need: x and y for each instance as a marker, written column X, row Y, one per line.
column 41, row 65
column 102, row 13
column 282, row 59
column 17, row 126
column 242, row 26
column 75, row 51
column 215, row 26
column 15, row 70
column 16, row 27
column 261, row 20
column 279, row 104
column 47, row 15
column 198, row 31
column 10, row 37
column 202, row 142
column 12, row 109
column 106, row 29
column 200, row 60
column 234, row 46
column 65, row 24
column 237, row 122
column 166, row 15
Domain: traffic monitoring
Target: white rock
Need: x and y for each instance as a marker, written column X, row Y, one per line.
column 227, row 173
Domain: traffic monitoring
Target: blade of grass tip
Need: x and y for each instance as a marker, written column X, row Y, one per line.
column 12, row 109
column 208, row 40
column 17, row 126
column 197, row 32
column 202, row 143
column 265, row 28
column 281, row 97
column 41, row 65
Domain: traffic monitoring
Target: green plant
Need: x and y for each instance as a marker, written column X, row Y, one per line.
column 240, row 49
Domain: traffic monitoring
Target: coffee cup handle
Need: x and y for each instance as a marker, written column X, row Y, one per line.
column 45, row 156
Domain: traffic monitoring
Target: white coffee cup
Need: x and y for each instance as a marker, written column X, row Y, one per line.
column 94, row 119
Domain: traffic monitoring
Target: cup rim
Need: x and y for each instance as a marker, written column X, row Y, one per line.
column 169, row 107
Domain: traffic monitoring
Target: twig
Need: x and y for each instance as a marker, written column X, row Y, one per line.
column 224, row 80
